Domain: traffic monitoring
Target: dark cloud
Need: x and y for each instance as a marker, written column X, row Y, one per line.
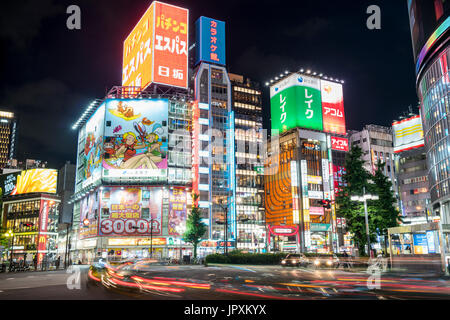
column 309, row 29
column 21, row 21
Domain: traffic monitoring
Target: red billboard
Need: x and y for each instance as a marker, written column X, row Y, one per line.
column 338, row 172
column 156, row 50
column 171, row 45
column 43, row 224
column 339, row 144
column 333, row 107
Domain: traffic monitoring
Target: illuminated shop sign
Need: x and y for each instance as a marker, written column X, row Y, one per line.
column 29, row 181
column 136, row 242
column 339, row 144
column 311, row 146
column 333, row 107
column 210, row 35
column 296, row 102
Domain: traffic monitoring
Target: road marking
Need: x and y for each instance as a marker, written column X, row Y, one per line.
column 241, row 268
column 10, row 279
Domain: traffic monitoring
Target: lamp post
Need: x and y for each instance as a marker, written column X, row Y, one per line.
column 10, row 235
column 364, row 199
column 225, row 210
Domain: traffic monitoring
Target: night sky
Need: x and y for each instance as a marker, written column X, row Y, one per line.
column 49, row 74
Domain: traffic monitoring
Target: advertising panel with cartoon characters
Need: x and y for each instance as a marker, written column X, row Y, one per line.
column 93, row 153
column 135, row 143
column 89, row 216
column 130, row 211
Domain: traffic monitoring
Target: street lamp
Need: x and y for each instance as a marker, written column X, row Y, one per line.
column 364, row 199
column 10, row 234
column 225, row 210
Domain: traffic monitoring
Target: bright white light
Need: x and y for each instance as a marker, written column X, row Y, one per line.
column 301, row 70
column 314, row 73
column 331, row 78
column 281, row 75
column 267, row 83
column 308, row 71
column 276, row 78
column 326, row 77
column 342, row 81
column 286, row 72
column 320, row 74
column 271, row 81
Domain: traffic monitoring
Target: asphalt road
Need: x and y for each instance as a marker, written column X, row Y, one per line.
column 218, row 282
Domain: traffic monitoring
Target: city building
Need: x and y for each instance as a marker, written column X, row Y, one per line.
column 430, row 24
column 8, row 137
column 376, row 144
column 31, row 211
column 308, row 124
column 411, row 169
column 248, row 122
column 134, row 160
column 213, row 138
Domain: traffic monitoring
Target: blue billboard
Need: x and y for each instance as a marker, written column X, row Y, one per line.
column 210, row 36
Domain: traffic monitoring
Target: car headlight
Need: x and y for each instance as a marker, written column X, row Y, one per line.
column 329, row 262
column 316, row 262
column 294, row 261
column 283, row 261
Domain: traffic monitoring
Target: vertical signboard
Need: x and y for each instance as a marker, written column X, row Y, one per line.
column 43, row 223
column 156, row 50
column 296, row 102
column 170, row 59
column 195, row 146
column 210, row 35
column 333, row 107
column 177, row 210
column 305, row 201
column 326, row 179
column 294, row 187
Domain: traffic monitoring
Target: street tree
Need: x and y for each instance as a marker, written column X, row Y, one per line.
column 195, row 228
column 387, row 215
column 356, row 181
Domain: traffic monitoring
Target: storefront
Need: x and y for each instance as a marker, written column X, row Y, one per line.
column 417, row 246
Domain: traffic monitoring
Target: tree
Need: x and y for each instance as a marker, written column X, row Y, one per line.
column 356, row 180
column 387, row 214
column 195, row 228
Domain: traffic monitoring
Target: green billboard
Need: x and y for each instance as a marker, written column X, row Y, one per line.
column 296, row 102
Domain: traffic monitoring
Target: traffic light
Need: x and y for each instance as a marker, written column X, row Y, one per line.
column 325, row 203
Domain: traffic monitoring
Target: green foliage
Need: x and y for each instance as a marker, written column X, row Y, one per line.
column 356, row 179
column 195, row 228
column 387, row 214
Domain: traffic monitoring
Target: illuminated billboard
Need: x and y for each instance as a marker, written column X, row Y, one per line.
column 156, row 50
column 29, row 181
column 210, row 35
column 296, row 102
column 92, row 156
column 177, row 210
column 130, row 211
column 333, row 107
column 136, row 135
column 89, row 211
column 408, row 134
column 339, row 144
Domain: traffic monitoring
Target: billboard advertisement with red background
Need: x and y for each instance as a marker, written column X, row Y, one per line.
column 130, row 211
column 339, row 144
column 170, row 59
column 177, row 210
column 43, row 224
column 333, row 107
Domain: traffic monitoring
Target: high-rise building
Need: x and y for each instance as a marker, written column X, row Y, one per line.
column 248, row 122
column 430, row 27
column 8, row 137
column 308, row 124
column 376, row 144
